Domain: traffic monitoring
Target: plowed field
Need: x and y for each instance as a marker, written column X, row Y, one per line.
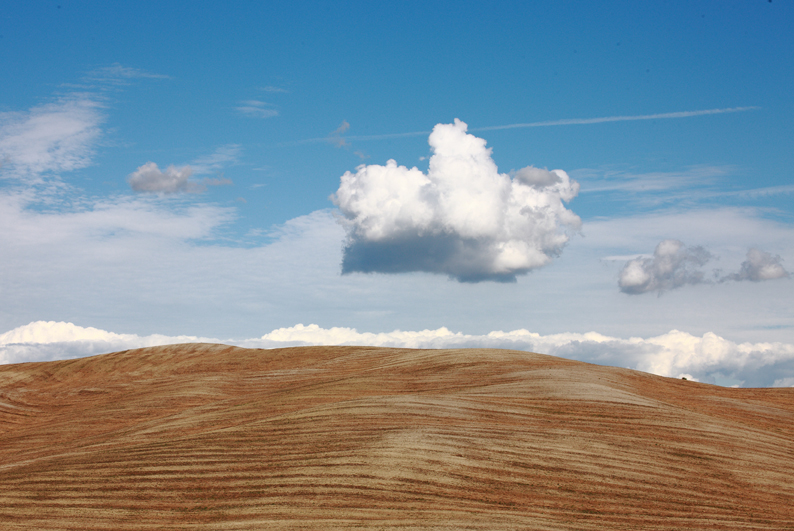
column 216, row 437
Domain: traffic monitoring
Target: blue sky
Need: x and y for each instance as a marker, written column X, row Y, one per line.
column 260, row 109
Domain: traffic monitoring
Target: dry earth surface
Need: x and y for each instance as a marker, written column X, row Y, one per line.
column 214, row 437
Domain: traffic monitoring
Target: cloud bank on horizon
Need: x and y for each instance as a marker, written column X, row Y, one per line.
column 462, row 218
column 677, row 354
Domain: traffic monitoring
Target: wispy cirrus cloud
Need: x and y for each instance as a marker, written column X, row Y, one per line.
column 272, row 89
column 593, row 181
column 50, row 138
column 752, row 193
column 222, row 157
column 335, row 137
column 61, row 136
column 620, row 193
column 118, row 74
column 697, row 184
column 256, row 109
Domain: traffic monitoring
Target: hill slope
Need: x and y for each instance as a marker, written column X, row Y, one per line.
column 216, row 437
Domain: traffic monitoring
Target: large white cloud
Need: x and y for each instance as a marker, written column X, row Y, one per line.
column 708, row 358
column 462, row 218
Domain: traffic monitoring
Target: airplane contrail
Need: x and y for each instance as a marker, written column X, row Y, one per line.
column 583, row 121
column 549, row 123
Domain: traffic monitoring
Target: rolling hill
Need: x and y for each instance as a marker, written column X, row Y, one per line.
column 201, row 436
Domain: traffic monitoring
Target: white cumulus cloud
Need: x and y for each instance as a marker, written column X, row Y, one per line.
column 462, row 218
column 673, row 265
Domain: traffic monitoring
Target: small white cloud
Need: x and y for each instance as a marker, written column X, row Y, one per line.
column 256, row 109
column 673, row 265
column 463, row 218
column 759, row 266
column 149, row 179
column 222, row 157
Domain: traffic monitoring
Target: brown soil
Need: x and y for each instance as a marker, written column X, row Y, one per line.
column 217, row 437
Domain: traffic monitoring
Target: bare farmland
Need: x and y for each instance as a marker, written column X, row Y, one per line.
column 203, row 436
